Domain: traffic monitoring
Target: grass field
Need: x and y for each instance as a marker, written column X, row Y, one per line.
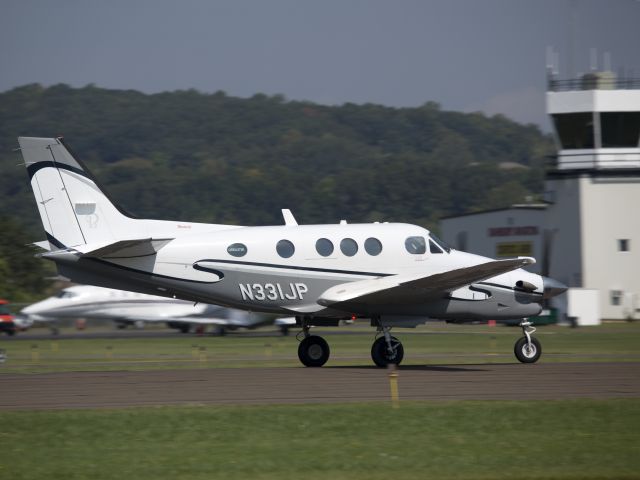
column 441, row 440
column 570, row 439
column 432, row 344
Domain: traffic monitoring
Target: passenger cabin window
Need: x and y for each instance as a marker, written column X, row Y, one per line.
column 324, row 247
column 415, row 245
column 237, row 250
column 372, row 246
column 349, row 247
column 433, row 248
column 285, row 248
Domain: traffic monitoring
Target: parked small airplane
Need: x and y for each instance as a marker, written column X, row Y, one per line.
column 131, row 308
column 396, row 275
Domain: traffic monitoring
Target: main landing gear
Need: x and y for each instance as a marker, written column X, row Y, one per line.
column 314, row 351
column 527, row 349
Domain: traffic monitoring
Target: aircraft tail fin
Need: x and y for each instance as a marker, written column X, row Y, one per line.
column 73, row 208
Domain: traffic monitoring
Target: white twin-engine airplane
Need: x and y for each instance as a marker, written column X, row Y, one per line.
column 396, row 275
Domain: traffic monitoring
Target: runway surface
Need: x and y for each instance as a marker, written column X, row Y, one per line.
column 307, row 385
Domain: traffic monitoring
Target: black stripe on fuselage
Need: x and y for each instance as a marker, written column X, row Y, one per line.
column 293, row 267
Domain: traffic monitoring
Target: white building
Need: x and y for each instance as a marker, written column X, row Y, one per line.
column 587, row 235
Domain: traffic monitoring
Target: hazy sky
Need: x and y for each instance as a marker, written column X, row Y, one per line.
column 465, row 54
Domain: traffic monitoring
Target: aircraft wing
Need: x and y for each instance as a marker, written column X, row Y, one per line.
column 412, row 288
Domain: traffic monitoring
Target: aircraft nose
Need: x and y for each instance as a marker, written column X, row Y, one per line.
column 552, row 287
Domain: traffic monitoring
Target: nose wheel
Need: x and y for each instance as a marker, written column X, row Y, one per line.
column 527, row 349
column 387, row 350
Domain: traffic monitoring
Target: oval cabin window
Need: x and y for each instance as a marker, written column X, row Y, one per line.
column 349, row 247
column 324, row 247
column 285, row 248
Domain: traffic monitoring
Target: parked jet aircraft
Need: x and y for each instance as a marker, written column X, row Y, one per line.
column 131, row 308
column 396, row 275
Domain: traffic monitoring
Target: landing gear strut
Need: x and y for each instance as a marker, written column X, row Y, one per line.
column 386, row 350
column 527, row 349
column 313, row 350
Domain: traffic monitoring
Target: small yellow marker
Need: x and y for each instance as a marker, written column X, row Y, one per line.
column 109, row 353
column 267, row 350
column 194, row 352
column 35, row 355
column 203, row 354
column 54, row 346
column 393, row 384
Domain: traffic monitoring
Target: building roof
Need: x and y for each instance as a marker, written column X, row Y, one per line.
column 517, row 206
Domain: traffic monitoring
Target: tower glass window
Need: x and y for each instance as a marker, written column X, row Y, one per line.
column 575, row 130
column 620, row 129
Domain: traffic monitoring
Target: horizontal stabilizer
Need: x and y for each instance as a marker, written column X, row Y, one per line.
column 417, row 288
column 43, row 245
column 123, row 248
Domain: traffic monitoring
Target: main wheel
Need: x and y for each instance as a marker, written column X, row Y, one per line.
column 381, row 356
column 526, row 353
column 313, row 351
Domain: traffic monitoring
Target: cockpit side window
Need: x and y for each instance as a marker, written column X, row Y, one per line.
column 433, row 248
column 66, row 294
column 441, row 243
column 415, row 245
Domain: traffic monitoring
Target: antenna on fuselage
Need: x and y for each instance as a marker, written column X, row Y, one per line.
column 289, row 219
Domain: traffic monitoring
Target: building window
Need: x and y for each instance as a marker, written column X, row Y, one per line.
column 461, row 241
column 285, row 248
column 349, row 247
column 415, row 245
column 616, row 297
column 237, row 249
column 324, row 247
column 373, row 246
column 575, row 130
column 623, row 245
column 620, row 129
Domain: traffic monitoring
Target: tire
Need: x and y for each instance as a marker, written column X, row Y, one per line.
column 521, row 350
column 313, row 351
column 380, row 355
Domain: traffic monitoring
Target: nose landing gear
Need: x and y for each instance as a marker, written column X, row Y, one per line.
column 527, row 349
column 387, row 350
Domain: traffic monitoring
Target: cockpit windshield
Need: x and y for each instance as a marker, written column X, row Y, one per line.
column 441, row 243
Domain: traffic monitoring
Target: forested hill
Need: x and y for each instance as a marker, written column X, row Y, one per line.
column 214, row 158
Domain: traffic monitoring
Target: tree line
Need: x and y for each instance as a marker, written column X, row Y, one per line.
column 204, row 157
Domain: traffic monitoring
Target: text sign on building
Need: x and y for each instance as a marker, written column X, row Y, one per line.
column 512, row 231
column 514, row 249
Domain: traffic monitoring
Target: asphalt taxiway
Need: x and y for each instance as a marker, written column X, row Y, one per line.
column 234, row 386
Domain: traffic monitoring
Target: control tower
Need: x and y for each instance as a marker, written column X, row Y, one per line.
column 592, row 221
column 596, row 120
